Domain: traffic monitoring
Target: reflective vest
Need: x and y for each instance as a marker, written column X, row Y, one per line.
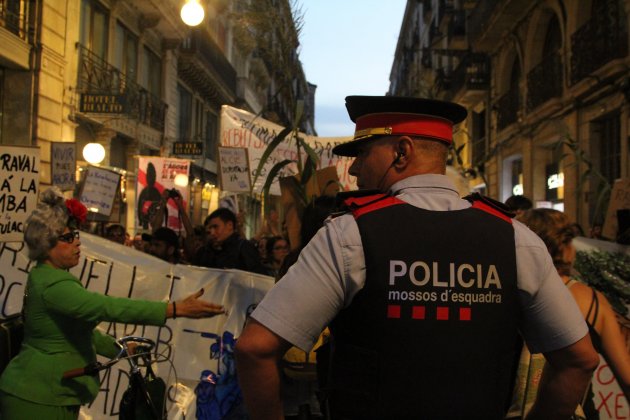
column 433, row 333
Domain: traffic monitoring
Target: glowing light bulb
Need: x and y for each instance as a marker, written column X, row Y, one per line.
column 192, row 13
column 94, row 153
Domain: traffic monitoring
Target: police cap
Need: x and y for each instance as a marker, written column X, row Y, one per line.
column 399, row 116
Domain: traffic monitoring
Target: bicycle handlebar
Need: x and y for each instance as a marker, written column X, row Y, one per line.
column 145, row 343
column 90, row 369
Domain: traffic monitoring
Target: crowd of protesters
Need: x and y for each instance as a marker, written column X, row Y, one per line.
column 218, row 243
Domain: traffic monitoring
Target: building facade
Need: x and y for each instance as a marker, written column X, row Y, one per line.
column 133, row 77
column 546, row 86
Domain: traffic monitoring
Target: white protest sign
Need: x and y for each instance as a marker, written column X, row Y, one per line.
column 99, row 190
column 19, row 177
column 63, row 165
column 112, row 269
column 242, row 129
column 234, row 169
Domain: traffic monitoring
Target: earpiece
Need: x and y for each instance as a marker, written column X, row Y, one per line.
column 399, row 155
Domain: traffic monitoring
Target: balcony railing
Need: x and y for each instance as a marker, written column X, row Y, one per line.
column 14, row 17
column 472, row 73
column 507, row 109
column 544, row 81
column 98, row 77
column 205, row 49
column 596, row 44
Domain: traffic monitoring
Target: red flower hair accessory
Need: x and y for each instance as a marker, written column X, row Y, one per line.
column 76, row 209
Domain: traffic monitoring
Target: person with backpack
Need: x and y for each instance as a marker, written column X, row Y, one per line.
column 426, row 294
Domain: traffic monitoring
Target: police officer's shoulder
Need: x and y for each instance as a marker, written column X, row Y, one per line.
column 494, row 205
column 347, row 201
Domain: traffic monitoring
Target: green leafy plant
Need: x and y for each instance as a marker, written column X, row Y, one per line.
column 307, row 160
column 609, row 273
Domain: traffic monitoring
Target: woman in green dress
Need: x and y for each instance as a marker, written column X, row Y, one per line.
column 60, row 319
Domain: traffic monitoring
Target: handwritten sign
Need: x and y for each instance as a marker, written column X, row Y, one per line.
column 99, row 190
column 242, row 129
column 19, row 180
column 63, row 165
column 234, row 169
column 609, row 400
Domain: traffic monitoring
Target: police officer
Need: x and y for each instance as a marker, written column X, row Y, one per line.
column 425, row 293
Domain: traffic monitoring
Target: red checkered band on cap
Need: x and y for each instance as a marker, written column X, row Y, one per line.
column 401, row 124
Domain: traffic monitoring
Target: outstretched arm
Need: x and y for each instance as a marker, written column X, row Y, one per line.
column 258, row 351
column 565, row 378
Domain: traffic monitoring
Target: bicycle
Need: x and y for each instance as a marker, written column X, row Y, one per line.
column 145, row 396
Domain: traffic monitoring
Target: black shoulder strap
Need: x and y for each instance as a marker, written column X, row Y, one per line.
column 594, row 306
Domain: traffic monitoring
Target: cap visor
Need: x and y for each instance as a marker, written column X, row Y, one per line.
column 351, row 148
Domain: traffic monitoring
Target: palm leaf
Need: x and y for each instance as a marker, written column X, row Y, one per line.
column 299, row 111
column 270, row 148
column 309, row 151
column 272, row 175
column 309, row 170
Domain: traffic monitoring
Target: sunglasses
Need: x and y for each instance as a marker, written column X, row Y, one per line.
column 69, row 237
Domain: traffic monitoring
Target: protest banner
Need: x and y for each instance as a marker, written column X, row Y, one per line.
column 240, row 128
column 19, row 177
column 619, row 199
column 99, row 190
column 63, row 165
column 234, row 169
column 115, row 270
column 155, row 174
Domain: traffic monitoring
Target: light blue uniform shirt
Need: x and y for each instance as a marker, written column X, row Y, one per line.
column 331, row 270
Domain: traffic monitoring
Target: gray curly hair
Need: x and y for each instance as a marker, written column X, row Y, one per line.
column 45, row 224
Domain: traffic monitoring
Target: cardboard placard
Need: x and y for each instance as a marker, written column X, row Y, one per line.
column 99, row 190
column 19, row 187
column 619, row 199
column 234, row 169
column 63, row 165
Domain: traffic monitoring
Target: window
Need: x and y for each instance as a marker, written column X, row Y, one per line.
column 184, row 113
column 94, row 28
column 478, row 137
column 151, row 77
column 126, row 52
column 512, row 177
column 606, row 157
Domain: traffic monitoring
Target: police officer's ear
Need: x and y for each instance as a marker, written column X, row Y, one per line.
column 403, row 149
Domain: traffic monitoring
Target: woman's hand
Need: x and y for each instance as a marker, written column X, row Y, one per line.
column 193, row 307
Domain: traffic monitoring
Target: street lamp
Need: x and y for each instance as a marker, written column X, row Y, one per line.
column 94, row 153
column 181, row 180
column 192, row 13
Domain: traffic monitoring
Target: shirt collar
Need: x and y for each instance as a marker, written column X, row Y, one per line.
column 428, row 181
